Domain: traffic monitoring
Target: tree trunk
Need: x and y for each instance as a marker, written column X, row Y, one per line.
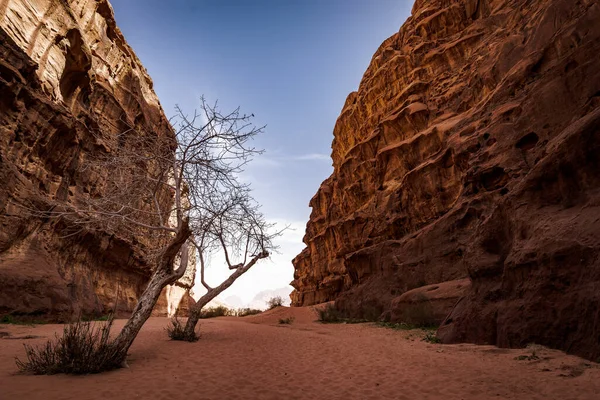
column 141, row 313
column 162, row 276
column 196, row 310
column 190, row 325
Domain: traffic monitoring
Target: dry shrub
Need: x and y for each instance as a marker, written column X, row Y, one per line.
column 431, row 337
column 331, row 314
column 286, row 321
column 83, row 348
column 176, row 331
column 276, row 301
column 219, row 311
column 243, row 312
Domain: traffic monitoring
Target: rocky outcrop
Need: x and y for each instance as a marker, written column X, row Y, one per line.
column 427, row 305
column 470, row 150
column 69, row 84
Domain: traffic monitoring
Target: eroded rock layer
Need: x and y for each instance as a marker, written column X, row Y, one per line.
column 69, row 84
column 470, row 150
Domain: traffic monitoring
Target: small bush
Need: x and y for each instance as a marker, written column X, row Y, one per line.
column 286, row 321
column 176, row 331
column 404, row 326
column 276, row 301
column 330, row 314
column 400, row 326
column 219, row 311
column 533, row 348
column 20, row 320
column 431, row 337
column 83, row 348
column 243, row 312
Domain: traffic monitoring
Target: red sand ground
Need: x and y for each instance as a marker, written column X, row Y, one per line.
column 256, row 358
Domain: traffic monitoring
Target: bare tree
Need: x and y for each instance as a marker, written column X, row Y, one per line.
column 183, row 191
column 232, row 226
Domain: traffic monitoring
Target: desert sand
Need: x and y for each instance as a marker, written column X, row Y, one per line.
column 257, row 358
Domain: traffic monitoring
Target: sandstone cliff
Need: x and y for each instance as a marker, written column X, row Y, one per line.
column 69, row 84
column 470, row 150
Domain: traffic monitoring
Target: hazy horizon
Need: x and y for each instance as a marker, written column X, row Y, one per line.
column 291, row 64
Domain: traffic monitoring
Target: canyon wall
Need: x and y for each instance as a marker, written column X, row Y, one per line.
column 70, row 88
column 470, row 151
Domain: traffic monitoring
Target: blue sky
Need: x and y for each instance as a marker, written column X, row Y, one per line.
column 289, row 62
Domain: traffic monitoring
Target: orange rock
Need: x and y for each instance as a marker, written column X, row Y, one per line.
column 69, row 83
column 496, row 178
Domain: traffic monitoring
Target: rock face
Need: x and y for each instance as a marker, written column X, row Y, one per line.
column 470, row 150
column 69, row 84
column 428, row 305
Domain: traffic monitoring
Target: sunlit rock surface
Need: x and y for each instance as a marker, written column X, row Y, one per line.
column 69, row 84
column 470, row 150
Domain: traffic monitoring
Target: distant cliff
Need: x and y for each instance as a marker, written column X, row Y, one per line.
column 69, row 83
column 470, row 150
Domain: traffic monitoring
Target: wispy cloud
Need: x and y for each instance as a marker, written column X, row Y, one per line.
column 263, row 161
column 281, row 159
column 312, row 157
